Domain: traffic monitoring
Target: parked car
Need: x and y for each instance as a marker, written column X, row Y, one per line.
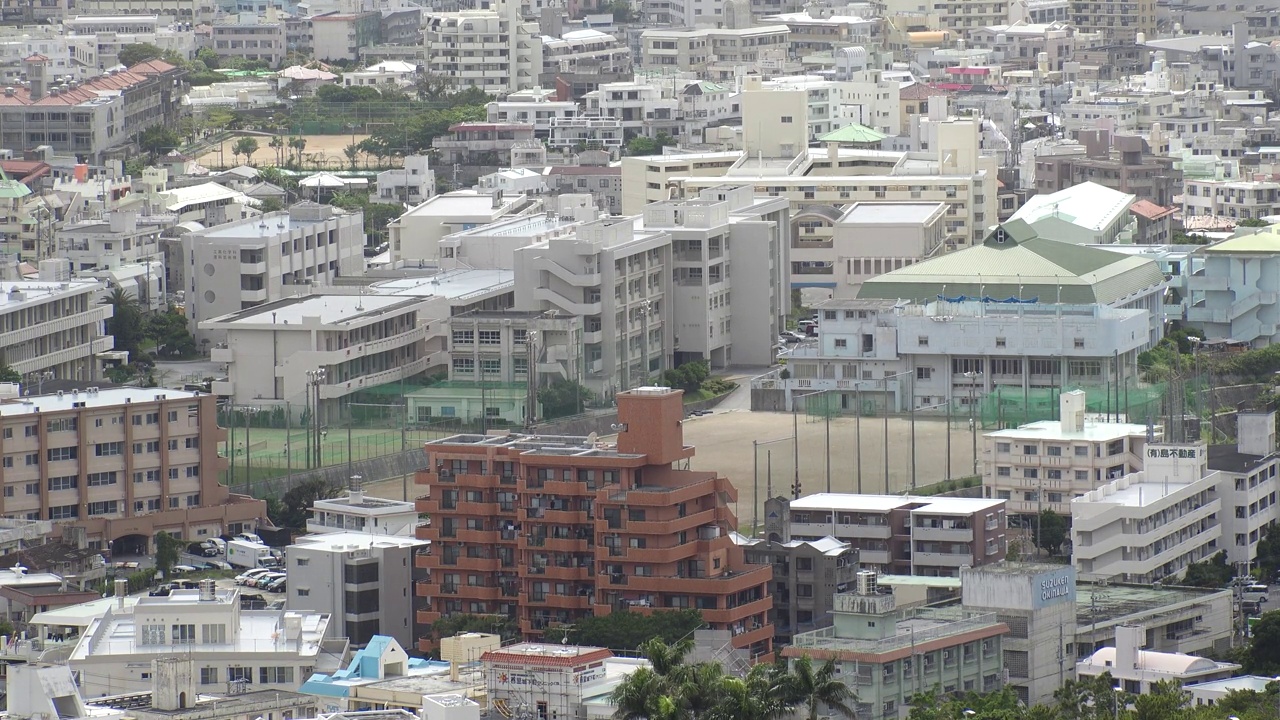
column 276, row 585
column 249, row 537
column 218, row 543
column 162, row 591
column 202, row 550
column 248, row 575
column 262, row 581
column 790, row 337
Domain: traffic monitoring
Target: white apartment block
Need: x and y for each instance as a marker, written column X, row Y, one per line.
column 494, row 50
column 265, row 649
column 94, row 42
column 120, row 237
column 618, row 277
column 1240, row 199
column 1151, row 524
column 360, row 341
column 869, row 239
column 585, row 50
column 712, row 52
column 409, row 185
column 641, row 108
column 360, row 513
column 187, row 11
column 729, row 257
column 492, row 245
column 1087, row 213
column 952, row 171
column 1045, row 465
column 361, row 580
column 55, row 326
column 249, row 39
column 897, row 355
column 240, row 265
column 1248, row 484
column 531, row 108
column 416, row 235
column 1235, row 294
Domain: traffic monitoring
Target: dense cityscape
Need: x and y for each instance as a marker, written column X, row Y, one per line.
column 639, row 360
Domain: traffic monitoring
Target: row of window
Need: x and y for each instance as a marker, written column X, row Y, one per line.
column 112, row 507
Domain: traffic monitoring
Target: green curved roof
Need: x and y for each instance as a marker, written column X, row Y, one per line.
column 11, row 189
column 854, row 133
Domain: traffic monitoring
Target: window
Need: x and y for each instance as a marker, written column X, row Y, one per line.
column 183, row 634
column 208, row 676
column 107, row 449
column 1081, row 451
column 63, row 453
column 173, row 416
column 213, row 634
column 275, row 675
column 101, row 478
column 490, row 337
column 1003, row 471
column 924, row 373
column 153, row 635
column 239, row 674
column 1055, row 450
column 64, row 512
column 786, row 119
column 922, row 341
column 33, row 458
column 106, row 507
column 842, row 343
column 33, row 488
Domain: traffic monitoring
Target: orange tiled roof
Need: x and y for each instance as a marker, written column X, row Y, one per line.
column 89, row 90
column 1149, row 210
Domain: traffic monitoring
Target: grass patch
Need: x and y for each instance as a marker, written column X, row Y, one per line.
column 710, row 388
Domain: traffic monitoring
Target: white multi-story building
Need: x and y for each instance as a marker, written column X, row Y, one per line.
column 727, row 229
column 618, row 277
column 1248, row 484
column 1137, row 671
column 641, row 108
column 532, row 107
column 415, row 235
column 360, row 341
column 1151, row 524
column 495, row 49
column 357, row 512
column 1235, row 294
column 1045, row 465
column 122, row 237
column 869, row 239
column 584, row 50
column 410, row 185
column 240, row 265
column 1240, row 199
column 56, row 326
column 264, row 649
column 360, row 579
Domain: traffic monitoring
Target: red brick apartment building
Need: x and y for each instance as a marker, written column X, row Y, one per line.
column 551, row 529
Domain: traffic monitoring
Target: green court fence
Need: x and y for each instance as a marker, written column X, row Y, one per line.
column 1009, row 407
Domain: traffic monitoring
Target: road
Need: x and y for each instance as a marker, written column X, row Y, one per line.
column 174, row 374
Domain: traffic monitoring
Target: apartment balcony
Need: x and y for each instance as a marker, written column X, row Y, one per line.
column 735, row 614
column 425, row 617
column 554, row 572
column 490, row 565
column 221, row 355
column 259, row 295
column 726, row 583
column 874, row 557
column 942, row 559
column 561, row 602
column 93, row 316
column 654, row 496
column 946, row 535
column 66, row 355
column 869, row 531
column 1208, row 282
column 335, row 391
column 1208, row 315
column 667, row 528
column 549, row 544
column 373, row 347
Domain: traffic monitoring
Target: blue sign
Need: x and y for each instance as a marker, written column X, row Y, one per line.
column 1053, row 587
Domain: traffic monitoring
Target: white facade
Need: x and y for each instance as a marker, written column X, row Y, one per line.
column 410, row 185
column 270, row 649
column 1044, row 465
column 494, row 50
column 361, row 513
column 870, row 238
column 415, row 235
column 1135, row 670
column 531, row 108
column 618, row 277
column 359, row 579
column 55, row 326
column 1236, row 294
column 1151, row 524
column 240, row 265
column 727, row 229
column 360, row 341
column 896, row 356
column 1248, row 484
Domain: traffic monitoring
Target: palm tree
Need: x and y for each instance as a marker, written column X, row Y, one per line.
column 125, row 322
column 298, row 144
column 817, row 688
column 277, row 143
column 636, row 696
column 699, row 688
column 666, row 659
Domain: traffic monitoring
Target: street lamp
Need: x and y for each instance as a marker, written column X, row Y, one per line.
column 316, row 378
column 973, row 376
column 531, row 376
column 40, row 377
column 249, row 411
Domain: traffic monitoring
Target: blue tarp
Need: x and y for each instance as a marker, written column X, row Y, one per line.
column 988, row 299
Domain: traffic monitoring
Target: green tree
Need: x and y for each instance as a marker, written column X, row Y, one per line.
column 8, row 374
column 245, row 146
column 125, row 323
column 1211, row 573
column 276, row 143
column 1166, row 699
column 298, row 144
column 563, row 397
column 641, row 145
column 167, row 549
column 819, row 688
column 1052, row 531
column 1252, row 223
column 1263, row 657
column 171, row 334
column 135, row 53
column 270, row 205
column 628, row 630
column 1090, row 698
column 666, row 658
column 352, row 151
column 689, row 376
column 297, row 501
column 456, row 623
column 158, row 139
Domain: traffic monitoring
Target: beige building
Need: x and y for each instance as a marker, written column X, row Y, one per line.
column 709, row 51
column 122, row 463
column 249, row 39
column 494, row 50
column 1045, row 465
column 1120, row 22
column 54, row 326
column 870, row 239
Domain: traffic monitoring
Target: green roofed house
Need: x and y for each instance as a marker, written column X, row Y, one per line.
column 855, row 135
column 1016, row 314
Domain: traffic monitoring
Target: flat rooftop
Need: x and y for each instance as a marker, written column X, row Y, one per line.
column 1229, row 459
column 1138, row 494
column 255, row 635
column 355, row 540
column 330, row 309
column 525, row 226
column 364, row 502
column 102, row 397
column 887, row 213
column 1101, row 604
column 543, row 651
column 454, row 285
column 266, row 226
column 1052, row 430
column 569, row 445
column 463, row 203
column 884, row 503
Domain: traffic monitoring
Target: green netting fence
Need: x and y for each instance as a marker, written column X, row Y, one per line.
column 1008, row 407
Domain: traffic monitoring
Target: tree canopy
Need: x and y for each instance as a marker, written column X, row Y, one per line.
column 294, row 505
column 628, row 630
column 1052, row 533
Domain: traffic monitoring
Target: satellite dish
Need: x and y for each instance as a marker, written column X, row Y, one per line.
column 591, row 439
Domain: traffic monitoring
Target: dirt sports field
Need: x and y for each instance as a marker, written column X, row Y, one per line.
column 323, row 150
column 724, row 443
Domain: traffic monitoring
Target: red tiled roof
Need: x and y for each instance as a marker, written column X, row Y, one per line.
column 25, row 171
column 89, row 90
column 1150, row 210
column 919, row 91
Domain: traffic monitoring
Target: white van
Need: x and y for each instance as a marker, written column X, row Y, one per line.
column 250, row 537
